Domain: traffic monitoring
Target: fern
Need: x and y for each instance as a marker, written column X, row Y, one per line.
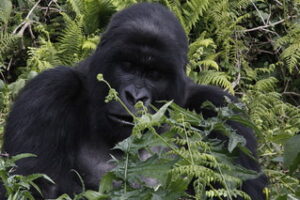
column 266, row 70
column 123, row 4
column 272, row 115
column 200, row 42
column 265, row 85
column 71, row 41
column 291, row 48
column 175, row 7
column 97, row 14
column 193, row 10
column 5, row 11
column 74, row 44
column 214, row 78
column 7, row 43
column 44, row 57
column 224, row 193
column 200, row 160
column 282, row 182
column 291, row 56
column 188, row 13
column 77, row 7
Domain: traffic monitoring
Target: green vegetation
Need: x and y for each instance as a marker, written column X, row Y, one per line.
column 250, row 48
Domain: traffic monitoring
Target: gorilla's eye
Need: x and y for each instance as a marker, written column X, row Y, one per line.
column 154, row 75
column 127, row 66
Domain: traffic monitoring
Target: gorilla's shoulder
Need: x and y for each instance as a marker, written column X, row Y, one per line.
column 60, row 82
column 49, row 104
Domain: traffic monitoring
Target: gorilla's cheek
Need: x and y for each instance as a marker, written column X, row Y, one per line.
column 162, row 90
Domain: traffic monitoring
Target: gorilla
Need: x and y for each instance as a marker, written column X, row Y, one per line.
column 61, row 116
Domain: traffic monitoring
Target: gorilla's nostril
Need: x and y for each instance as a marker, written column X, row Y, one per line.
column 134, row 98
column 129, row 97
column 145, row 100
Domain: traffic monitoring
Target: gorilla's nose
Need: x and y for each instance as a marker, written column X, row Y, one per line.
column 133, row 95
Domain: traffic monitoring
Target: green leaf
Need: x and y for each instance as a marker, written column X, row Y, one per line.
column 5, row 10
column 21, row 156
column 234, row 140
column 161, row 112
column 33, row 177
column 291, row 155
column 64, row 197
column 2, row 84
column 153, row 167
column 15, row 87
column 93, row 195
column 106, row 182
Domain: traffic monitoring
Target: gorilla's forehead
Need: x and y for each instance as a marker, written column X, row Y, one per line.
column 144, row 55
column 152, row 29
column 144, row 44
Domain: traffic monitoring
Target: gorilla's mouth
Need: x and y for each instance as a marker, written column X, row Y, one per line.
column 124, row 120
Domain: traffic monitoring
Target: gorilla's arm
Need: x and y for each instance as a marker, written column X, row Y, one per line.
column 40, row 122
column 197, row 94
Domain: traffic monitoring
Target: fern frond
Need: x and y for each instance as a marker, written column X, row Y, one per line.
column 276, row 178
column 209, row 63
column 5, row 10
column 78, row 7
column 194, row 144
column 218, row 13
column 215, row 78
column 291, row 56
column 43, row 57
column 91, row 43
column 268, row 70
column 7, row 42
column 200, row 42
column 266, row 85
column 291, row 48
column 97, row 14
column 71, row 41
column 193, row 10
column 207, row 174
column 120, row 5
column 240, row 4
column 225, row 193
column 271, row 114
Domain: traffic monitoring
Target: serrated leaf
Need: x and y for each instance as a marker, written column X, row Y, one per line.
column 234, row 140
column 161, row 112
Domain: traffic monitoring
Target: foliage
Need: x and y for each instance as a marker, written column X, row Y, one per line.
column 17, row 186
column 161, row 164
column 250, row 48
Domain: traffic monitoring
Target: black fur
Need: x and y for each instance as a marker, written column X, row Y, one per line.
column 61, row 116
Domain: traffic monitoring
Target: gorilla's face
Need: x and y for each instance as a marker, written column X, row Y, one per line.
column 142, row 72
column 143, row 57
